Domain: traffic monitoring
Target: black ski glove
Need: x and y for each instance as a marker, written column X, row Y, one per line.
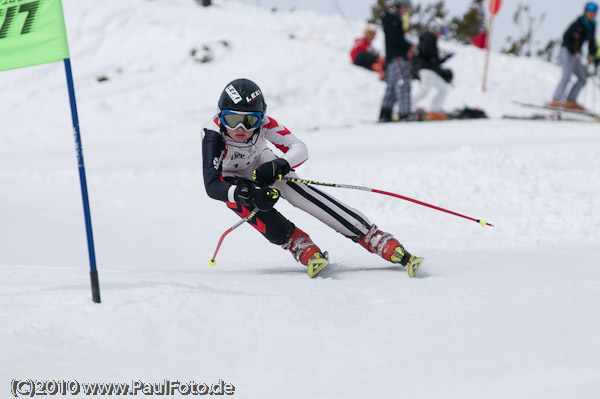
column 269, row 172
column 263, row 198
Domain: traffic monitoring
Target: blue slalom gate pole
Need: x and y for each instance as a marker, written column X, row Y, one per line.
column 82, row 180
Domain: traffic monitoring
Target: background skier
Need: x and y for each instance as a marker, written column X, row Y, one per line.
column 362, row 54
column 479, row 34
column 583, row 29
column 398, row 76
column 427, row 67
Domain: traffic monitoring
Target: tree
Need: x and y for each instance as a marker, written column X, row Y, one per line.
column 524, row 44
column 422, row 17
column 465, row 27
column 462, row 28
column 547, row 53
column 378, row 9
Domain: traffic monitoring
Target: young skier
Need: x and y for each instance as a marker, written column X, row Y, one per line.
column 242, row 171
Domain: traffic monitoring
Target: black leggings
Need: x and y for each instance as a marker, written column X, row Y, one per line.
column 365, row 60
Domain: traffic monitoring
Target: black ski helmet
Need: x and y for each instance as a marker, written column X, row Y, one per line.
column 242, row 95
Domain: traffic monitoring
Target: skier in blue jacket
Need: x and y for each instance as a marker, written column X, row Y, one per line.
column 580, row 31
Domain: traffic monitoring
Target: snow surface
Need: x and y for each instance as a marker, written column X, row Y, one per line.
column 505, row 312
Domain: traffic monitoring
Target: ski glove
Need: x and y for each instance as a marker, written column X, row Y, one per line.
column 263, row 198
column 269, row 172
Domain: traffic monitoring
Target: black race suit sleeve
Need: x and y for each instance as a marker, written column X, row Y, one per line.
column 573, row 37
column 593, row 45
column 395, row 42
column 213, row 151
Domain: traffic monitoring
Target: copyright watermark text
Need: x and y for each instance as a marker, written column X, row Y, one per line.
column 31, row 388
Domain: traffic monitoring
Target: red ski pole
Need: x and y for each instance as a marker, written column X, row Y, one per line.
column 212, row 261
column 482, row 222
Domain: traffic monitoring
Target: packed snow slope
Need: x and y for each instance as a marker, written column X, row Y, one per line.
column 509, row 311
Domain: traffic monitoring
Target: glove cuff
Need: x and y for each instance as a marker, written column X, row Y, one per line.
column 242, row 196
column 283, row 166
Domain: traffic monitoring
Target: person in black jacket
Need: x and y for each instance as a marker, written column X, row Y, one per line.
column 398, row 76
column 580, row 31
column 427, row 67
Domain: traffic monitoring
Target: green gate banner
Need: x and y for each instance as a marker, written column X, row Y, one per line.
column 32, row 32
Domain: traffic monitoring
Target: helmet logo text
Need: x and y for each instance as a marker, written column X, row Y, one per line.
column 253, row 96
column 233, row 94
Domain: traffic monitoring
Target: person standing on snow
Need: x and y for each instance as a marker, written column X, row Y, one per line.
column 363, row 55
column 427, row 67
column 242, row 171
column 398, row 76
column 583, row 29
column 479, row 34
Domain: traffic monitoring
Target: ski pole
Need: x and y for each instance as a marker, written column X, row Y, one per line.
column 595, row 88
column 482, row 222
column 212, row 261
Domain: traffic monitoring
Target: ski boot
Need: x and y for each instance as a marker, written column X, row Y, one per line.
column 386, row 246
column 306, row 252
column 572, row 105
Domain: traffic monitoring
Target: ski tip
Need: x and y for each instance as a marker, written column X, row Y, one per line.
column 414, row 266
column 484, row 223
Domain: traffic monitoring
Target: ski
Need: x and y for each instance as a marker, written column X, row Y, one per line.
column 317, row 263
column 560, row 110
column 420, row 115
column 545, row 117
column 413, row 266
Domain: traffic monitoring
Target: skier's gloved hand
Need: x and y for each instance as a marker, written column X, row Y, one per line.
column 269, row 172
column 263, row 198
column 444, row 55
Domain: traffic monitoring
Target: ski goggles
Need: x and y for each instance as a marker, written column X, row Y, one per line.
column 591, row 7
column 247, row 120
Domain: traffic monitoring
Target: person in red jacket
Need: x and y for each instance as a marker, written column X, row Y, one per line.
column 363, row 55
column 478, row 37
